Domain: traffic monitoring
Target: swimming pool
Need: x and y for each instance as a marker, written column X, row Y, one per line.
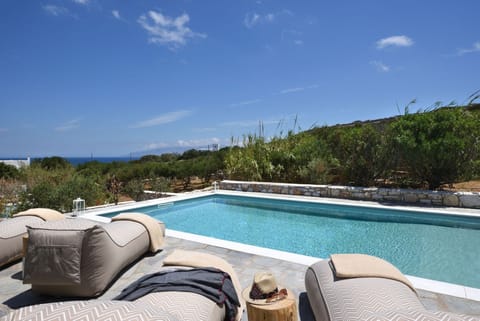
column 434, row 246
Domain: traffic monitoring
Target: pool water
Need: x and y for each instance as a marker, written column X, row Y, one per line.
column 433, row 246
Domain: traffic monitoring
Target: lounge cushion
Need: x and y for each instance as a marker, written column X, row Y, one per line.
column 57, row 249
column 155, row 229
column 362, row 265
column 12, row 231
column 79, row 257
column 11, row 234
column 45, row 214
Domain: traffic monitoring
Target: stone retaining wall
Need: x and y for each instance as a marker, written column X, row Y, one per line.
column 396, row 195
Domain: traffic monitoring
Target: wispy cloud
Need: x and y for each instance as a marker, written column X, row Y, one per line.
column 164, row 30
column 293, row 36
column 83, row 2
column 116, row 14
column 380, row 66
column 156, row 145
column 291, row 90
column 474, row 48
column 247, row 102
column 163, row 119
column 296, row 89
column 252, row 18
column 55, row 10
column 198, row 142
column 183, row 143
column 395, row 41
column 69, row 125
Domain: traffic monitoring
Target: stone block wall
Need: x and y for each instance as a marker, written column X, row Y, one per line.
column 393, row 195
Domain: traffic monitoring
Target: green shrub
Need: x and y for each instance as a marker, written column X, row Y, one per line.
column 135, row 189
column 439, row 147
column 8, row 171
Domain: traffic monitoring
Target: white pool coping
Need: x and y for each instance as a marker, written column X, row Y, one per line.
column 419, row 283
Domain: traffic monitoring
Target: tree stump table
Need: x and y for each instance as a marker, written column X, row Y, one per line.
column 282, row 310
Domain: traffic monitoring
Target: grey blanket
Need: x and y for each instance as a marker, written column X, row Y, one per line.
column 209, row 282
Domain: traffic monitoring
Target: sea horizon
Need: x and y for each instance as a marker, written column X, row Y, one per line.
column 78, row 160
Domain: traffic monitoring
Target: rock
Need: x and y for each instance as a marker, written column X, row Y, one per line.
column 470, row 200
column 451, row 200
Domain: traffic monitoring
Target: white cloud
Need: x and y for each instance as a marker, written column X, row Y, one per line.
column 292, row 35
column 69, row 125
column 474, row 48
column 252, row 18
column 163, row 119
column 269, row 17
column 380, row 66
column 397, row 41
column 188, row 143
column 292, row 90
column 247, row 102
column 197, row 142
column 296, row 89
column 55, row 10
column 164, row 30
column 116, row 14
column 84, row 2
column 155, row 146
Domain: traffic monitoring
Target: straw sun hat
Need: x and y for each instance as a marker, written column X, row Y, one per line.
column 264, row 289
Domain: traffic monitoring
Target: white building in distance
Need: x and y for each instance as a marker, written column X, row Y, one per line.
column 16, row 162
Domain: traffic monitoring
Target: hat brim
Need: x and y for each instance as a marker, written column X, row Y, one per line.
column 246, row 296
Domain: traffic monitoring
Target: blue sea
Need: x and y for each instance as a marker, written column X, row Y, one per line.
column 81, row 160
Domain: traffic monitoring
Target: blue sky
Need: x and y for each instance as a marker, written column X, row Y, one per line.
column 110, row 78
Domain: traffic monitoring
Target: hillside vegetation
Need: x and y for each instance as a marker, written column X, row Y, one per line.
column 427, row 149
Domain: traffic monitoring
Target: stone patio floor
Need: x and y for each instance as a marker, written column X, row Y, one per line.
column 13, row 294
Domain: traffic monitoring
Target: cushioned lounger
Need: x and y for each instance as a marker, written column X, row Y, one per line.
column 368, row 296
column 79, row 257
column 12, row 231
column 161, row 306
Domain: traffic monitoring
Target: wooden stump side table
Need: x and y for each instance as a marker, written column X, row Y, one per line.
column 283, row 310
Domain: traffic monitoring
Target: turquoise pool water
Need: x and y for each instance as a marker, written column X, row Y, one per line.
column 439, row 247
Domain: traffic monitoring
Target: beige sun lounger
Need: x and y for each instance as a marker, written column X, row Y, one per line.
column 368, row 288
column 14, row 229
column 79, row 257
column 162, row 306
